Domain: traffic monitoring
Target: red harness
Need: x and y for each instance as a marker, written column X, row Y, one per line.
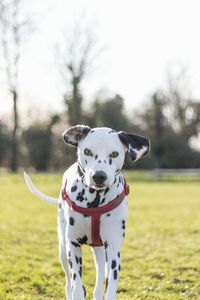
column 95, row 213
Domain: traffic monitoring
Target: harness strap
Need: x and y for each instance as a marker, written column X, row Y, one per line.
column 95, row 213
column 96, row 239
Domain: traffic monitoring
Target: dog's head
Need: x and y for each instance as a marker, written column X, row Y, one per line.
column 101, row 152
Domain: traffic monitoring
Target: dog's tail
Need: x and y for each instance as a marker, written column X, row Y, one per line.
column 37, row 193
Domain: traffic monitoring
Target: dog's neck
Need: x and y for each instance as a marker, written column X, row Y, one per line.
column 85, row 196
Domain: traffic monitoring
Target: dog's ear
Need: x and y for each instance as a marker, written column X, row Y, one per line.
column 137, row 146
column 74, row 134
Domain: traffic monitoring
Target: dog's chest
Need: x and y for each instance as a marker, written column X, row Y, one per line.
column 79, row 225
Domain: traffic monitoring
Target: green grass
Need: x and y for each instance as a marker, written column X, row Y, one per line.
column 160, row 256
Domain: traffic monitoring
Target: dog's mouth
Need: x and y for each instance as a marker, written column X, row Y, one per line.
column 99, row 186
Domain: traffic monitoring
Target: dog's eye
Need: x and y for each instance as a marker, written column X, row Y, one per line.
column 114, row 154
column 88, row 152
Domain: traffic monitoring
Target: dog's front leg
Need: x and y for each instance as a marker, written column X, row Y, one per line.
column 100, row 260
column 113, row 269
column 74, row 255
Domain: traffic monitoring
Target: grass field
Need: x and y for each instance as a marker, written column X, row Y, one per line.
column 160, row 256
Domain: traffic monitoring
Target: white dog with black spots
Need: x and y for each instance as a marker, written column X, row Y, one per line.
column 94, row 181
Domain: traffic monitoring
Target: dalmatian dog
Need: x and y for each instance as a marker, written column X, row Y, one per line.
column 93, row 205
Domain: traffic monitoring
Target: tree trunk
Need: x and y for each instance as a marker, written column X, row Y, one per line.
column 15, row 146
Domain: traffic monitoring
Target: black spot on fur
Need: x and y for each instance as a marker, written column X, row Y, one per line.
column 123, row 225
column 70, row 263
column 106, row 256
column 115, row 180
column 106, row 246
column 92, row 131
column 99, row 161
column 80, row 197
column 103, row 200
column 108, row 215
column 124, row 235
column 69, row 254
column 74, row 276
column 80, row 271
column 96, row 156
column 104, row 161
column 84, row 290
column 74, row 188
column 75, row 244
column 110, row 161
column 83, row 240
column 76, row 259
column 118, row 254
column 80, row 260
column 91, row 190
column 106, row 191
column 86, row 161
column 119, row 179
column 71, row 221
column 95, row 202
column 115, row 274
column 119, row 268
column 80, row 172
column 113, row 265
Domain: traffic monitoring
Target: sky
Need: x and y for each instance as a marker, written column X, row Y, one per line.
column 142, row 41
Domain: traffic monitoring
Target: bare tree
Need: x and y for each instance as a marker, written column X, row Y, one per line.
column 74, row 61
column 13, row 29
column 184, row 109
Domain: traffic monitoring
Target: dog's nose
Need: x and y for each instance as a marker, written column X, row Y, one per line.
column 99, row 177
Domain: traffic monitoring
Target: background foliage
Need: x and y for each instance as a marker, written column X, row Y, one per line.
column 171, row 126
column 170, row 116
